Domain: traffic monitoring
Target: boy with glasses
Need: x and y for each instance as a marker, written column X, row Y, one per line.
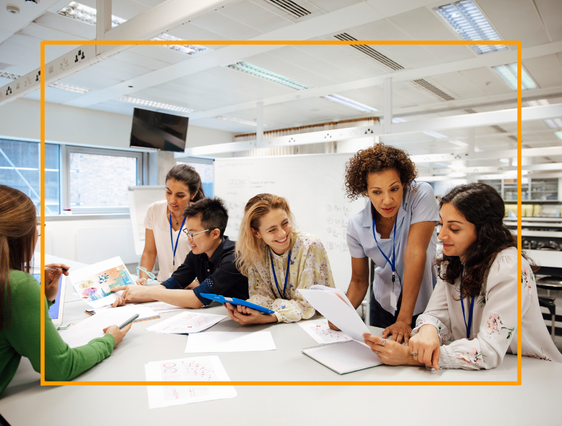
column 211, row 261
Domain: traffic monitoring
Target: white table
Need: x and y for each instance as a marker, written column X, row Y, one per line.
column 24, row 402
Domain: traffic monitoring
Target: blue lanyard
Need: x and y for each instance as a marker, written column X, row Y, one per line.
column 174, row 248
column 286, row 273
column 393, row 262
column 469, row 325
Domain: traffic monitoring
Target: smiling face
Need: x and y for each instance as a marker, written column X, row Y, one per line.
column 457, row 233
column 205, row 242
column 275, row 230
column 177, row 196
column 385, row 191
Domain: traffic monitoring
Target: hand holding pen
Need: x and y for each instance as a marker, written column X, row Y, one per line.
column 53, row 271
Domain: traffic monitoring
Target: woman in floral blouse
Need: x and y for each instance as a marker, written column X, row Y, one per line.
column 475, row 301
column 278, row 260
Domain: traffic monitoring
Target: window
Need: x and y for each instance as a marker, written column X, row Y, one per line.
column 98, row 179
column 205, row 168
column 19, row 168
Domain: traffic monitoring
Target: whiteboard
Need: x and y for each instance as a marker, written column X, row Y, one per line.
column 140, row 198
column 313, row 186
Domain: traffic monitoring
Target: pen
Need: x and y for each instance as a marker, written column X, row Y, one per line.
column 130, row 320
column 56, row 269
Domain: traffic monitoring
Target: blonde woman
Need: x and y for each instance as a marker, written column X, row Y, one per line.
column 20, row 299
column 278, row 260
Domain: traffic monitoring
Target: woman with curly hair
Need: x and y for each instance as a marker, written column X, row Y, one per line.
column 475, row 300
column 278, row 261
column 397, row 231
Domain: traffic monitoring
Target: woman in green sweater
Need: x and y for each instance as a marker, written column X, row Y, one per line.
column 20, row 300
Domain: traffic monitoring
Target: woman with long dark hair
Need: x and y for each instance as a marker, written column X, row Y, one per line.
column 164, row 222
column 475, row 300
column 20, row 299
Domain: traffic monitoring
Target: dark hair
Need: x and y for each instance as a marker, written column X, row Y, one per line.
column 187, row 175
column 482, row 206
column 212, row 212
column 18, row 221
column 375, row 159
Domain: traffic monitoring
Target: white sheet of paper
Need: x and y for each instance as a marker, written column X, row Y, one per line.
column 203, row 369
column 337, row 311
column 92, row 327
column 144, row 312
column 223, row 341
column 322, row 333
column 93, row 283
column 162, row 306
column 186, row 323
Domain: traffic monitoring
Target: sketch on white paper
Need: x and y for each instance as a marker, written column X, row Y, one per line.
column 320, row 331
column 186, row 322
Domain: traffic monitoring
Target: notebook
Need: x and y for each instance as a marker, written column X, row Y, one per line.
column 56, row 310
column 344, row 357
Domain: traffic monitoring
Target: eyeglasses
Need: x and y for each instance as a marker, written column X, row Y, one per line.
column 192, row 235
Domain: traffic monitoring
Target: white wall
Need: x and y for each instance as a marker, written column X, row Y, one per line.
column 21, row 119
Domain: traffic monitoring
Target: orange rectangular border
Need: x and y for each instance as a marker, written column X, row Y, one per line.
column 517, row 382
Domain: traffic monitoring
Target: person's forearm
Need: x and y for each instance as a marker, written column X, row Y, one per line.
column 148, row 260
column 356, row 292
column 413, row 275
column 183, row 298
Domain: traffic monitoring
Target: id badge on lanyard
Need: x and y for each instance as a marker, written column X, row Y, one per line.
column 392, row 263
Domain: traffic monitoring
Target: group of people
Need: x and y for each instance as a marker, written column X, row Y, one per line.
column 457, row 309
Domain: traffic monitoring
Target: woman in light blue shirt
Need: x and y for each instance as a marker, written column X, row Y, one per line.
column 397, row 231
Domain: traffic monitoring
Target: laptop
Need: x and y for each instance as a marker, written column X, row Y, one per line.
column 57, row 309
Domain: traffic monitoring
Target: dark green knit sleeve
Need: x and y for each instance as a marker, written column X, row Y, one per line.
column 61, row 362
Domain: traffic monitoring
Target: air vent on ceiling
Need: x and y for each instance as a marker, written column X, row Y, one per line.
column 290, row 7
column 436, row 91
column 369, row 51
column 470, row 111
column 499, row 129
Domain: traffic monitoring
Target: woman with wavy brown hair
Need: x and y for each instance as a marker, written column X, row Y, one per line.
column 20, row 300
column 396, row 230
column 475, row 300
column 278, row 261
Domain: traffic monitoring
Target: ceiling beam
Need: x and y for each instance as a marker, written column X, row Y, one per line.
column 146, row 25
column 454, row 122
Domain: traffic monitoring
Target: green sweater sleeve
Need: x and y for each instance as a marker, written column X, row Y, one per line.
column 61, row 362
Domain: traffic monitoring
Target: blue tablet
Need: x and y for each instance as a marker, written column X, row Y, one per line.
column 235, row 301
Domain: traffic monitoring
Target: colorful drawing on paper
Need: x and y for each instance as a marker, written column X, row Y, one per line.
column 100, row 284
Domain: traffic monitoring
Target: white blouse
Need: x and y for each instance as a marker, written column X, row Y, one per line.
column 493, row 332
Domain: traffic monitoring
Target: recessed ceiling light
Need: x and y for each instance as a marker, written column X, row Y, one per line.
column 435, row 135
column 459, row 143
column 508, row 73
column 153, row 104
column 467, row 20
column 349, row 103
column 238, row 120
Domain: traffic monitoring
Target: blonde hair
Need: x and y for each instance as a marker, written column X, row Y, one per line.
column 249, row 249
column 18, row 221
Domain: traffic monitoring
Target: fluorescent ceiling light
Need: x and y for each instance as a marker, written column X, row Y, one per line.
column 268, row 75
column 476, row 149
column 9, row 75
column 88, row 15
column 238, row 120
column 152, row 104
column 467, row 20
column 459, row 143
column 504, row 160
column 435, row 135
column 297, row 85
column 349, row 103
column 558, row 134
column 539, row 102
column 398, row 120
column 508, row 73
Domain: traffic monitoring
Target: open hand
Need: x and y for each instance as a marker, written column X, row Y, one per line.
column 398, row 331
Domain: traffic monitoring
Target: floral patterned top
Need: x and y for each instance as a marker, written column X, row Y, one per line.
column 493, row 331
column 309, row 266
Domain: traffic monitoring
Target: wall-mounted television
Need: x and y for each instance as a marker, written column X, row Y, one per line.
column 157, row 130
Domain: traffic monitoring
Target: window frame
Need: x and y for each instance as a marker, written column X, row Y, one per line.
column 67, row 150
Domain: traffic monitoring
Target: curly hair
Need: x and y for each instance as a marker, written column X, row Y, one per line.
column 375, row 159
column 482, row 206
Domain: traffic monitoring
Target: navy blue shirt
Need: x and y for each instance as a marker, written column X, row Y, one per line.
column 217, row 275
